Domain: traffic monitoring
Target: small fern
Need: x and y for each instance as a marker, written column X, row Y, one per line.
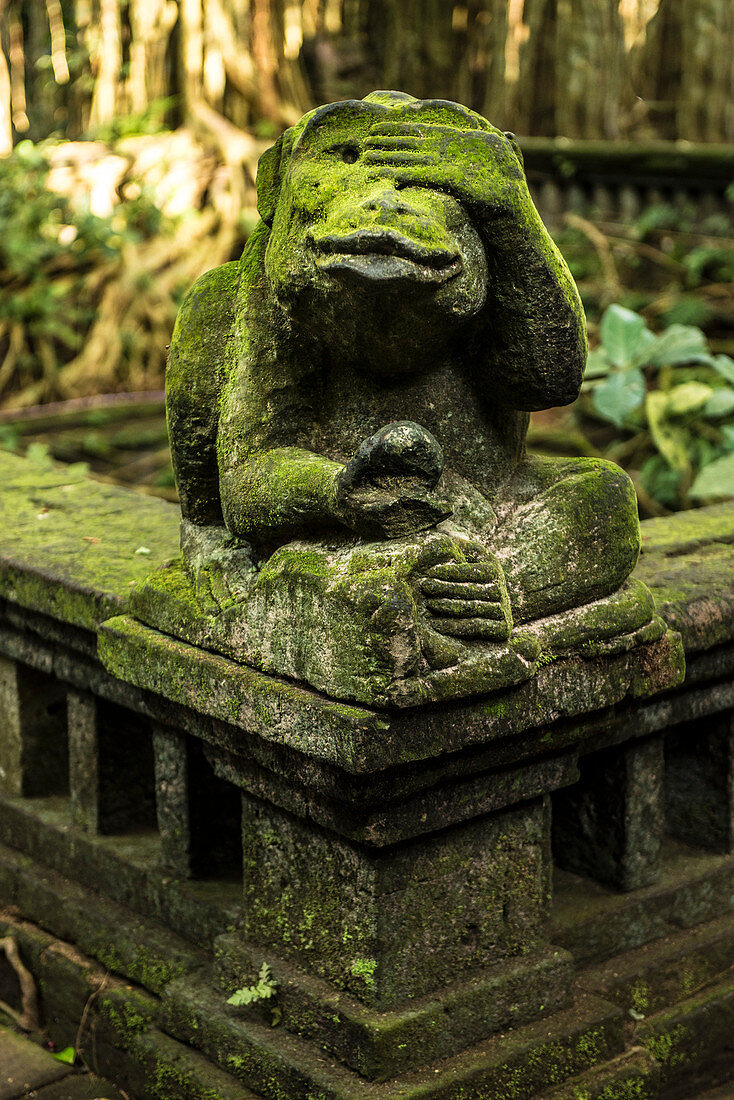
column 263, row 990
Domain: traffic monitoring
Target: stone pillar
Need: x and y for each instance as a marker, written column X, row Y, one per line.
column 199, row 814
column 172, row 801
column 609, row 825
column 33, row 745
column 83, row 760
column 699, row 782
column 389, row 924
column 110, row 766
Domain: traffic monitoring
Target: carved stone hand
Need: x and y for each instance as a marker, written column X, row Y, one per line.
column 388, row 487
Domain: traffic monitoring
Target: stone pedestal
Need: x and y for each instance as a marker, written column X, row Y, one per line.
column 392, row 923
column 396, row 865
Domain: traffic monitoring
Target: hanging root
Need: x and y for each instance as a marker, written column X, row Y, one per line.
column 28, row 1018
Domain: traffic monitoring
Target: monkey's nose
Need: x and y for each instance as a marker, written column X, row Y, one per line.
column 389, row 203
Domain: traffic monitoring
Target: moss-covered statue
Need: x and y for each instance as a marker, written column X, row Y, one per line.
column 348, row 406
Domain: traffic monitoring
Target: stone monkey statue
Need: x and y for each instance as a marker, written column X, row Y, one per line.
column 348, row 407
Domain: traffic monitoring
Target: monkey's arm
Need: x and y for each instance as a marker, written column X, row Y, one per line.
column 537, row 346
column 385, row 490
column 279, row 493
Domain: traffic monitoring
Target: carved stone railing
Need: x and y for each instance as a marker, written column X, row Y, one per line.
column 616, row 181
column 181, row 820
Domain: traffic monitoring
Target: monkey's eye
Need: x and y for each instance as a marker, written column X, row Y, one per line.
column 348, row 153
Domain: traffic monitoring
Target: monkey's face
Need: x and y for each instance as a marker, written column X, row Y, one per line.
column 373, row 261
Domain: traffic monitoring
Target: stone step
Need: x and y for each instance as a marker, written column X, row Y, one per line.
column 633, row 1074
column 24, row 1066
column 722, row 1092
column 132, row 946
column 277, row 1065
column 595, row 922
column 250, row 1057
column 692, row 1040
column 665, row 972
column 86, row 1086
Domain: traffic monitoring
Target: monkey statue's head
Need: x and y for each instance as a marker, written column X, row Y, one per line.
column 390, row 222
column 357, row 249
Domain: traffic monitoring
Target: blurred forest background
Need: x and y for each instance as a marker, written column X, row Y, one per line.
column 129, row 137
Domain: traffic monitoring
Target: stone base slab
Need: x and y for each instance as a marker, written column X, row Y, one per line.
column 162, row 1016
column 379, row 1045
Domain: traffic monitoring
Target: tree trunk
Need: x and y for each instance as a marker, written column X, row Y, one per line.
column 6, row 108
column 108, row 65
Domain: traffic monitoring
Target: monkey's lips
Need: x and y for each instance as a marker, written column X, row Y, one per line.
column 385, row 255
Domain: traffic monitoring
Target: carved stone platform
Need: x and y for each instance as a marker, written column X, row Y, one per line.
column 394, row 868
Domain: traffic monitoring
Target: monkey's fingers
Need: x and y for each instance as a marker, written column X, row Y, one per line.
column 492, row 630
column 482, row 571
column 468, row 590
column 399, row 141
column 467, row 609
column 408, row 158
column 423, row 128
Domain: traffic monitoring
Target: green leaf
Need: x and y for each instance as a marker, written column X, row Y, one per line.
column 678, row 344
column 724, row 365
column 263, row 990
column 669, row 439
column 720, row 403
column 727, row 432
column 660, row 481
column 624, row 336
column 716, row 479
column 688, row 397
column 619, row 395
column 67, row 1056
column 597, row 364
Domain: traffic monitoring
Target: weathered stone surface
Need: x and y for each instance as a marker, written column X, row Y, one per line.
column 688, row 562
column 83, row 760
column 595, row 922
column 666, row 971
column 687, row 1037
column 610, row 824
column 359, row 739
column 111, row 766
column 634, row 1075
column 86, row 1087
column 25, row 1066
column 199, row 815
column 392, row 924
column 69, row 548
column 379, row 1044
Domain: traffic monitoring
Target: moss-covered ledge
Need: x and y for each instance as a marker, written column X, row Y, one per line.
column 73, row 547
column 687, row 561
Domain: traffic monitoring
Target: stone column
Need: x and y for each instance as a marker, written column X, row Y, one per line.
column 83, row 760
column 396, row 922
column 33, row 745
column 609, row 825
column 199, row 814
column 699, row 782
column 110, row 766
